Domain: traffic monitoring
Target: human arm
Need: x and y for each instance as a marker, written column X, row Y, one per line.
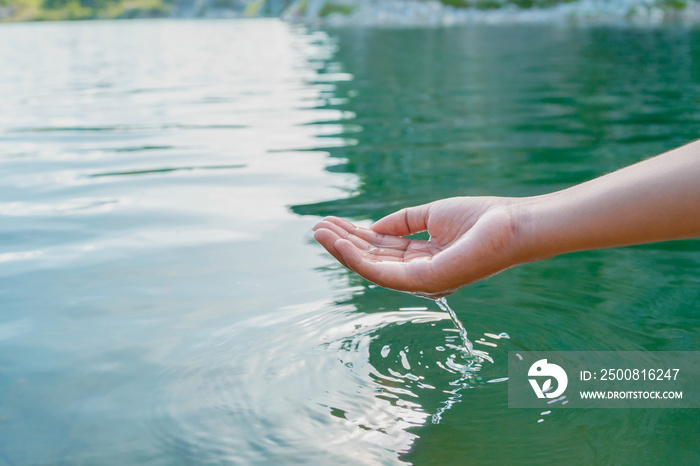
column 472, row 238
column 654, row 200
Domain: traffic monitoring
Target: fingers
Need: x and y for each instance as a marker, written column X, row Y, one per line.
column 389, row 274
column 385, row 266
column 327, row 239
column 404, row 222
column 397, row 275
column 328, row 232
column 352, row 233
column 343, row 233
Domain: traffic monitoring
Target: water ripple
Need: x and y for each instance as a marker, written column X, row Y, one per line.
column 324, row 381
column 167, row 170
column 120, row 128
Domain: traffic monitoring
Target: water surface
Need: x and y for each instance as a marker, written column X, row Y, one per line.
column 164, row 302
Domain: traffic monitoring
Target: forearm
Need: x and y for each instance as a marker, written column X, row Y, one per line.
column 654, row 200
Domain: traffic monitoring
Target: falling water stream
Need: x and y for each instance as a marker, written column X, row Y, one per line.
column 474, row 357
column 468, row 346
column 473, row 360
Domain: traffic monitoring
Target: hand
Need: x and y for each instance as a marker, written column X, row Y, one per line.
column 471, row 238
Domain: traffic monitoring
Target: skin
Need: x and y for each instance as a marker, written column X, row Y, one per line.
column 472, row 238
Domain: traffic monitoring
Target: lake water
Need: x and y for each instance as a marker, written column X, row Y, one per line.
column 162, row 299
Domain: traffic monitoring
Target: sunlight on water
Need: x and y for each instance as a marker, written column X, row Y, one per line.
column 147, row 170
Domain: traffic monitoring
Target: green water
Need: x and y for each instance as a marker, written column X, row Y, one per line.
column 519, row 111
column 164, row 302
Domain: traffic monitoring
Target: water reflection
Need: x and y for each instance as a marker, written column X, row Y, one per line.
column 522, row 111
column 503, row 110
column 366, row 379
column 146, row 172
column 178, row 311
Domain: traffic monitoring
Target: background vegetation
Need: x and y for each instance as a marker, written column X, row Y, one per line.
column 53, row 10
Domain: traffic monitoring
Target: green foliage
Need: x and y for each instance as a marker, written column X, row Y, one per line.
column 56, row 10
column 330, row 8
column 20, row 3
column 65, row 9
column 495, row 4
column 668, row 5
column 53, row 10
column 673, row 4
column 254, row 7
column 137, row 9
column 458, row 3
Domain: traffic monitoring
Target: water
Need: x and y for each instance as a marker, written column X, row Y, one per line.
column 163, row 300
column 468, row 346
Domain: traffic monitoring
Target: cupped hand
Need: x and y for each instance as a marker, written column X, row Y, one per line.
column 471, row 238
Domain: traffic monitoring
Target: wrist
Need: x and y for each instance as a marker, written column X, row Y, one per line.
column 530, row 218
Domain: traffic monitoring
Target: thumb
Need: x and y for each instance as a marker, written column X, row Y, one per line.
column 404, row 222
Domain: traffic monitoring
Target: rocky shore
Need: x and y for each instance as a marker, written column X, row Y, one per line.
column 406, row 13
column 375, row 13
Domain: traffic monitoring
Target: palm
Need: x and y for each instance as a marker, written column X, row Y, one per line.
column 432, row 268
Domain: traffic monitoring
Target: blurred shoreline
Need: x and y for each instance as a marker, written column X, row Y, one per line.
column 366, row 13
